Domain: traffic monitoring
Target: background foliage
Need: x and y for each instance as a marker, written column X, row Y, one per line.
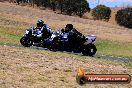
column 124, row 17
column 101, row 12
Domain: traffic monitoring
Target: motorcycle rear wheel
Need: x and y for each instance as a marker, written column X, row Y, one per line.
column 89, row 50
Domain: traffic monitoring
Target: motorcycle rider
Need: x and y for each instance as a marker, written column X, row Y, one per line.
column 42, row 31
column 70, row 29
column 67, row 29
column 73, row 34
column 40, row 23
column 46, row 32
column 74, row 37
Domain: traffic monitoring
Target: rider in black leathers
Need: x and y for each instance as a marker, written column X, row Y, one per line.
column 46, row 31
column 42, row 31
column 73, row 34
column 75, row 38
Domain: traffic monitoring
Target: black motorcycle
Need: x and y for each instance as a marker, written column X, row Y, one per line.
column 34, row 36
column 79, row 43
column 58, row 41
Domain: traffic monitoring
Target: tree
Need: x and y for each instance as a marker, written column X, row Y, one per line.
column 101, row 12
column 77, row 7
column 124, row 17
column 83, row 7
column 69, row 7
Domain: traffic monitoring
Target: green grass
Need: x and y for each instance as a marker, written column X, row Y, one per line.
column 107, row 47
column 12, row 34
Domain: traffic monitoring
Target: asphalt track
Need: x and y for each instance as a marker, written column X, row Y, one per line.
column 96, row 56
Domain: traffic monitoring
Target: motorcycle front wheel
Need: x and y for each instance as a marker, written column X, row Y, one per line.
column 26, row 42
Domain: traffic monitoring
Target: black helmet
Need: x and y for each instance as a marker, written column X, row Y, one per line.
column 70, row 26
column 40, row 23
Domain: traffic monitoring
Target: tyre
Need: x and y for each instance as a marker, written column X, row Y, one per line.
column 89, row 49
column 77, row 49
column 54, row 46
column 81, row 80
column 26, row 42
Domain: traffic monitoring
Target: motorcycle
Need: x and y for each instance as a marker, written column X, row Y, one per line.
column 33, row 36
column 59, row 41
column 83, row 44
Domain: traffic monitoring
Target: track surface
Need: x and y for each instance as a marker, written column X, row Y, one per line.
column 96, row 56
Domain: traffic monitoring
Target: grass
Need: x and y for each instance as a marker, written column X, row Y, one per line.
column 15, row 18
column 41, row 68
column 80, row 58
column 107, row 47
column 22, row 69
column 11, row 34
column 27, row 71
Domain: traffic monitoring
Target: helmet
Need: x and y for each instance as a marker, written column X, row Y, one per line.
column 68, row 27
column 40, row 23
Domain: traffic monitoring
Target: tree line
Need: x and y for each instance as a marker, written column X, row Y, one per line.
column 123, row 17
column 69, row 7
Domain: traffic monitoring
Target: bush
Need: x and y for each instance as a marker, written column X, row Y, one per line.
column 123, row 17
column 101, row 12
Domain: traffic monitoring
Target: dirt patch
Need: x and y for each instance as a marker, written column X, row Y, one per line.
column 34, row 68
